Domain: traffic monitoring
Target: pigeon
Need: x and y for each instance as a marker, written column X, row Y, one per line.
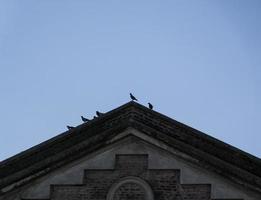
column 150, row 106
column 70, row 127
column 84, row 119
column 99, row 113
column 133, row 97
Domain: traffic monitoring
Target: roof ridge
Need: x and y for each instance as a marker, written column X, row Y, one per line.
column 64, row 134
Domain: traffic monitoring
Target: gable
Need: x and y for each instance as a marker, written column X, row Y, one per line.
column 159, row 158
column 175, row 139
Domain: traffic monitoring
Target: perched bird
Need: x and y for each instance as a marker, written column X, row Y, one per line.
column 94, row 117
column 133, row 97
column 70, row 127
column 150, row 106
column 99, row 113
column 84, row 119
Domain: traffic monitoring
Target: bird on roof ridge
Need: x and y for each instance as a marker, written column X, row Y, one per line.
column 150, row 106
column 99, row 113
column 84, row 119
column 70, row 127
column 133, row 98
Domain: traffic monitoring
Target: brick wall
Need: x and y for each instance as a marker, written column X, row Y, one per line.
column 131, row 179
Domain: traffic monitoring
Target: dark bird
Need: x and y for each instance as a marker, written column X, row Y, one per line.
column 84, row 119
column 94, row 117
column 99, row 113
column 70, row 127
column 150, row 106
column 133, row 97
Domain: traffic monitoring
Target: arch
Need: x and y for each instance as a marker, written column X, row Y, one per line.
column 131, row 179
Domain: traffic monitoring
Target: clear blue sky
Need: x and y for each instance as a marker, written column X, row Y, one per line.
column 198, row 62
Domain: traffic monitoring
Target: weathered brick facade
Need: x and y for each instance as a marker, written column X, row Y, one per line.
column 148, row 183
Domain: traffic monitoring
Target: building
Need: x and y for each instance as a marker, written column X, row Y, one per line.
column 135, row 153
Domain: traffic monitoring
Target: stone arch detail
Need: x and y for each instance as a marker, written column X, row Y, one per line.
column 148, row 193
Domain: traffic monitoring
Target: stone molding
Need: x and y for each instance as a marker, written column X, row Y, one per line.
column 131, row 179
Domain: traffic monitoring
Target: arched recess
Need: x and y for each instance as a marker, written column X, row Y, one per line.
column 148, row 193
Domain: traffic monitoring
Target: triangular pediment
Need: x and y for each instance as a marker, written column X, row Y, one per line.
column 133, row 123
column 131, row 150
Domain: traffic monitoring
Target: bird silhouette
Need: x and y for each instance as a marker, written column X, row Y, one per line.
column 133, row 97
column 99, row 113
column 150, row 106
column 70, row 127
column 84, row 119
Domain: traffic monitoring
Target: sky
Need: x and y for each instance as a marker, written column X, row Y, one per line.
column 196, row 61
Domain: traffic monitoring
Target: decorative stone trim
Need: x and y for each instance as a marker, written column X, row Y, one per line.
column 131, row 179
